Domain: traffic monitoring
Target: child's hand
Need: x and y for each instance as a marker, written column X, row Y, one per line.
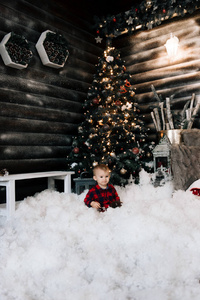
column 95, row 204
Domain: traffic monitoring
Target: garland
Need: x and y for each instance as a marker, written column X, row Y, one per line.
column 149, row 14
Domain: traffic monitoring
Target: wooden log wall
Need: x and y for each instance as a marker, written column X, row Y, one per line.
column 41, row 107
column 147, row 60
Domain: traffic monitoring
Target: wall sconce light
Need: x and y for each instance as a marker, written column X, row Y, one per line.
column 172, row 46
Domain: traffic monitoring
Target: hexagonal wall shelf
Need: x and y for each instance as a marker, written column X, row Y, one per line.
column 15, row 52
column 52, row 49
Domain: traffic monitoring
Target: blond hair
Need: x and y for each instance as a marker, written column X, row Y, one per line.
column 101, row 167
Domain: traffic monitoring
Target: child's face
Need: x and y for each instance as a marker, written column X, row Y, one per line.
column 102, row 177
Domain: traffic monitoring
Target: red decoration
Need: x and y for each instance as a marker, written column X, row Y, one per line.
column 114, row 20
column 195, row 188
column 127, row 83
column 122, row 90
column 164, row 11
column 95, row 101
column 118, row 102
column 195, row 191
column 135, row 150
column 97, row 31
column 76, row 150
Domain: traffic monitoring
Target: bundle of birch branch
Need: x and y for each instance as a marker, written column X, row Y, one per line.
column 163, row 117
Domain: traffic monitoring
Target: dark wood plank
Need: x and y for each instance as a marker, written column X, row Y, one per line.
column 32, row 139
column 38, row 126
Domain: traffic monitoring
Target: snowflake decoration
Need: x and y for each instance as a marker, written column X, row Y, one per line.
column 74, row 165
column 128, row 106
column 109, row 58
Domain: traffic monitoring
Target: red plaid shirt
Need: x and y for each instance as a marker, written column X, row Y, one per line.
column 103, row 196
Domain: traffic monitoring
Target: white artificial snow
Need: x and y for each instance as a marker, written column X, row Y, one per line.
column 56, row 248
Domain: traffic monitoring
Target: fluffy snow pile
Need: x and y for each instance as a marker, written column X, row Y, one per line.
column 56, row 248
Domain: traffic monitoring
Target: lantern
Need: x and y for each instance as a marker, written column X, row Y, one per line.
column 162, row 159
column 172, row 46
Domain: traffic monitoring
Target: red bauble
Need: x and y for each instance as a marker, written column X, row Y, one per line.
column 114, row 20
column 97, row 31
column 118, row 102
column 95, row 101
column 135, row 150
column 164, row 11
column 76, row 150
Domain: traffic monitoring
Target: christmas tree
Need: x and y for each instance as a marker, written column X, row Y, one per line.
column 113, row 131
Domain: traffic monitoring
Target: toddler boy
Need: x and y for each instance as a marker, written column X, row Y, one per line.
column 103, row 194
